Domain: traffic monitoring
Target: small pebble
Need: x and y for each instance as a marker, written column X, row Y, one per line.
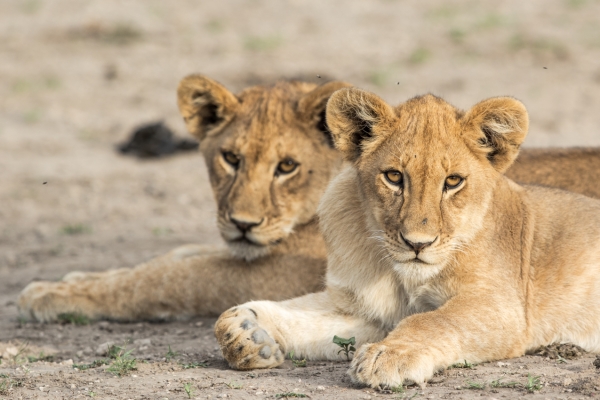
column 103, row 348
column 320, row 388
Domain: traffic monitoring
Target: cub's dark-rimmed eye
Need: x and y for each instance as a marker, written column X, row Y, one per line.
column 286, row 166
column 453, row 181
column 394, row 177
column 231, row 159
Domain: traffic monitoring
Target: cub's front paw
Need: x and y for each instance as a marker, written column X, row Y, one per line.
column 381, row 365
column 244, row 343
column 42, row 301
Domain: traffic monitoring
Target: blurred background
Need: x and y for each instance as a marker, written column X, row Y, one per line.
column 76, row 76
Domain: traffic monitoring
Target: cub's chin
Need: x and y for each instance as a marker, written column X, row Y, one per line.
column 247, row 250
column 417, row 272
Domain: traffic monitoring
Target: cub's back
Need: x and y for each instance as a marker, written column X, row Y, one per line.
column 573, row 169
column 567, row 227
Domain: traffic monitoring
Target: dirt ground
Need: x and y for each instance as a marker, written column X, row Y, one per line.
column 76, row 76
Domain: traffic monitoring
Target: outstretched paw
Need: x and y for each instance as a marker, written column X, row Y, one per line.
column 244, row 343
column 382, row 365
column 41, row 301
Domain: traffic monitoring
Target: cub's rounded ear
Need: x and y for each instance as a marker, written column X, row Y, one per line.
column 312, row 105
column 205, row 105
column 499, row 126
column 358, row 121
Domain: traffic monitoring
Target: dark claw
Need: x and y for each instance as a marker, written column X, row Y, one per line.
column 246, row 361
column 377, row 357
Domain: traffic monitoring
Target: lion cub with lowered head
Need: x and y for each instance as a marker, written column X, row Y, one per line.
column 434, row 256
column 270, row 157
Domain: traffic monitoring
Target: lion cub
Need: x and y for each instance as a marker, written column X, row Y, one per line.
column 270, row 157
column 434, row 256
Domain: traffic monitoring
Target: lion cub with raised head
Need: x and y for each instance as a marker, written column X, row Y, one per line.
column 434, row 256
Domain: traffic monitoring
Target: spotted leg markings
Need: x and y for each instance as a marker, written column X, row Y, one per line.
column 244, row 343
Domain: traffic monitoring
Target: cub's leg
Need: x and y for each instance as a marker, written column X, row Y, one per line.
column 468, row 327
column 190, row 280
column 175, row 255
column 259, row 334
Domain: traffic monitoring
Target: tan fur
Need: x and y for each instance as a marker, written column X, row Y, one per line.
column 262, row 125
column 573, row 169
column 507, row 267
column 281, row 257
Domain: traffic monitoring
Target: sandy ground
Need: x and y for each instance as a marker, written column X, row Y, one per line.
column 77, row 76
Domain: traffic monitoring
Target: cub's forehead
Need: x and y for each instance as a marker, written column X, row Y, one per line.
column 428, row 130
column 427, row 121
column 264, row 109
column 265, row 141
column 268, row 117
column 280, row 100
column 274, row 137
column 428, row 117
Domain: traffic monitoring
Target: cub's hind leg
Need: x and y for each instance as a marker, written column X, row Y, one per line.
column 189, row 281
